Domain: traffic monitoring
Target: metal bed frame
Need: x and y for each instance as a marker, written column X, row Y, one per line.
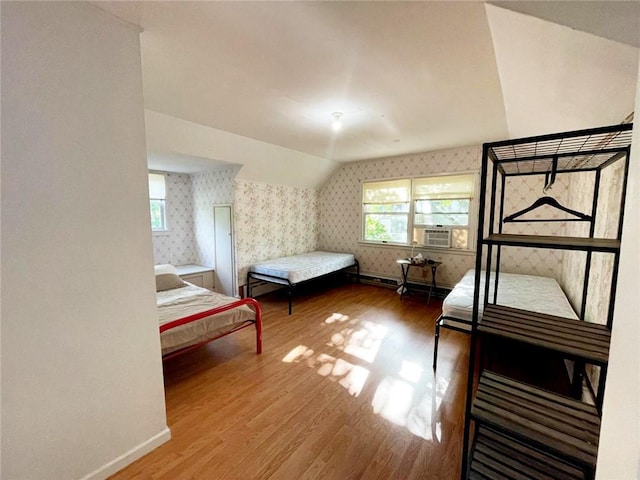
column 200, row 315
column 254, row 278
column 440, row 324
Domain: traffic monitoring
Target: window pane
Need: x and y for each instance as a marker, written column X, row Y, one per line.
column 461, row 219
column 443, row 206
column 387, row 208
column 157, row 215
column 442, row 212
column 386, row 227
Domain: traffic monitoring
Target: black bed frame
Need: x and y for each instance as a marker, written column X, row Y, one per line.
column 254, row 278
column 440, row 324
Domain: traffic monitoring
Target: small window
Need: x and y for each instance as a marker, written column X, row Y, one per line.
column 157, row 199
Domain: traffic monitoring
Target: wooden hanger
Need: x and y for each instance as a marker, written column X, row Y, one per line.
column 552, row 202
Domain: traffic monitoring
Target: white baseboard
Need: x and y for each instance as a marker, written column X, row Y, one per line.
column 129, row 457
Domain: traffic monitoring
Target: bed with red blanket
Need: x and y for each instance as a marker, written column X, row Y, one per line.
column 190, row 316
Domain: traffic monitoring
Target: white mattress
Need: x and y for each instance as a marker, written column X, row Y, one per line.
column 305, row 266
column 189, row 300
column 527, row 292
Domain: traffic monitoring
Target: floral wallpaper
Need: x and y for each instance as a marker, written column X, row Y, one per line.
column 209, row 189
column 340, row 217
column 581, row 193
column 521, row 192
column 270, row 221
column 607, row 215
column 177, row 246
column 273, row 221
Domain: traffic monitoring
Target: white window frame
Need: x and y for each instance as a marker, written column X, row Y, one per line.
column 399, row 184
column 158, row 193
column 413, row 229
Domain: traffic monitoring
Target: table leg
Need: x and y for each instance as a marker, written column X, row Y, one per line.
column 403, row 287
column 434, row 284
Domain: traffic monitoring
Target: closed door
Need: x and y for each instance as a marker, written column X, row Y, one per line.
column 225, row 265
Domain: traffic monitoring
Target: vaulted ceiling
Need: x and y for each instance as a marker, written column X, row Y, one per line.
column 406, row 76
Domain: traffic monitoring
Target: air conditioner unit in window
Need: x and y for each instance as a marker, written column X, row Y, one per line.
column 437, row 237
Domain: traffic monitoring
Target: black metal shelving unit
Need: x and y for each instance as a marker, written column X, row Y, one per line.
column 513, row 429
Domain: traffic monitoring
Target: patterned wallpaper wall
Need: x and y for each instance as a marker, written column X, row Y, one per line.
column 607, row 215
column 580, row 197
column 273, row 221
column 340, row 216
column 209, row 189
column 269, row 220
column 177, row 246
column 521, row 192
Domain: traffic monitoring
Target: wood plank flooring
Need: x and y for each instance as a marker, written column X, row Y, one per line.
column 343, row 390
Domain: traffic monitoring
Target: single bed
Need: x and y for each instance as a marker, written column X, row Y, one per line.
column 190, row 316
column 296, row 269
column 527, row 292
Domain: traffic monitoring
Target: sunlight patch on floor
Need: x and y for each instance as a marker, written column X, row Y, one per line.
column 393, row 400
column 362, row 341
column 396, row 400
column 405, row 398
column 351, row 377
column 410, row 371
column 297, row 354
column 336, row 317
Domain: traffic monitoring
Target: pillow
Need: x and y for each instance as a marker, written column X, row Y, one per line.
column 168, row 281
column 166, row 268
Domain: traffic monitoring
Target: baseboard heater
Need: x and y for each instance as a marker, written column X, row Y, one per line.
column 394, row 283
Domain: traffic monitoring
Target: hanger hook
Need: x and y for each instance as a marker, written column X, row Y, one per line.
column 550, row 176
column 547, row 183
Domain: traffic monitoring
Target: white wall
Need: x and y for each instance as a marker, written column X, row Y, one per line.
column 82, row 388
column 173, row 142
column 619, row 451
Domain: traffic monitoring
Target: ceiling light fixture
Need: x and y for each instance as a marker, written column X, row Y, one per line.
column 337, row 124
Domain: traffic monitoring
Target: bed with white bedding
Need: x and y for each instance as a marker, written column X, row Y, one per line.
column 293, row 270
column 190, row 316
column 526, row 292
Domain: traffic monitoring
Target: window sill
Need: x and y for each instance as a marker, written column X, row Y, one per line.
column 160, row 233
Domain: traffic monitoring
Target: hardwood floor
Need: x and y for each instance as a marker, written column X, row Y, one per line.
column 344, row 389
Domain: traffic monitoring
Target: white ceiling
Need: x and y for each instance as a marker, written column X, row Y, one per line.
column 613, row 19
column 407, row 76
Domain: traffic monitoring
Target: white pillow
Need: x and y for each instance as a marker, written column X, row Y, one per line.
column 168, row 281
column 164, row 269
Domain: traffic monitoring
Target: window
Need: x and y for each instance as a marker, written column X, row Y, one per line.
column 399, row 211
column 386, row 208
column 157, row 199
column 443, row 202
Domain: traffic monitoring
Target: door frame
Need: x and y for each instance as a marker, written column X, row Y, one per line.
column 234, row 267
